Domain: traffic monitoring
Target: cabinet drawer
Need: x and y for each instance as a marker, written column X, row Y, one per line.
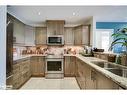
column 17, row 83
column 104, row 56
column 25, row 76
column 16, row 70
column 81, row 80
column 16, row 76
column 25, row 68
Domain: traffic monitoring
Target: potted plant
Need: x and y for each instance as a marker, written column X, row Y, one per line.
column 120, row 37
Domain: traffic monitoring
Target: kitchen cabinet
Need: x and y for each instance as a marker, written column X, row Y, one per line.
column 69, row 36
column 55, row 27
column 19, row 32
column 80, row 74
column 103, row 82
column 21, row 72
column 104, row 56
column 89, row 78
column 29, row 36
column 82, row 35
column 37, row 65
column 96, row 55
column 69, row 66
column 83, row 75
column 40, row 35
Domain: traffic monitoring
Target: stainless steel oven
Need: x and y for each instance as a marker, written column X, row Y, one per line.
column 54, row 67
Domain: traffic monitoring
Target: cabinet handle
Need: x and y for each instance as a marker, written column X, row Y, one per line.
column 93, row 75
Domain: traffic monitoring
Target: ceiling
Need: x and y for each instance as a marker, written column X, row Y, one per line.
column 73, row 15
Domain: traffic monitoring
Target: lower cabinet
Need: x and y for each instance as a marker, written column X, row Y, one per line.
column 69, row 66
column 21, row 72
column 104, row 83
column 89, row 78
column 37, row 64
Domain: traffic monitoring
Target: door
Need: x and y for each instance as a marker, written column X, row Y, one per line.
column 69, row 36
column 69, row 66
column 104, row 82
column 54, row 65
column 78, row 35
column 29, row 36
column 40, row 35
column 19, row 32
column 103, row 38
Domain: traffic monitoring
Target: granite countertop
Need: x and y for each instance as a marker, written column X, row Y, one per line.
column 117, row 79
column 69, row 55
column 15, row 58
column 106, row 53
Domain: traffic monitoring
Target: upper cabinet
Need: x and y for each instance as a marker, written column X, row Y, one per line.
column 69, row 36
column 19, row 32
column 82, row 35
column 29, row 36
column 55, row 27
column 23, row 34
column 40, row 35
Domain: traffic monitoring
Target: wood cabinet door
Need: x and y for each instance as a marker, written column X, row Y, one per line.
column 82, row 35
column 90, row 83
column 21, row 72
column 19, row 32
column 41, row 35
column 78, row 35
column 33, row 65
column 72, row 66
column 59, row 28
column 29, row 35
column 104, row 82
column 51, row 28
column 69, row 36
column 81, row 76
column 55, row 27
column 85, row 35
column 41, row 66
column 104, row 56
column 37, row 66
column 69, row 66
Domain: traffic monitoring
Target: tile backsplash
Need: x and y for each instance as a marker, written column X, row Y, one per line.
column 57, row 50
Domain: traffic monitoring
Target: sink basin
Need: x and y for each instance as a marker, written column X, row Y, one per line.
column 118, row 71
column 103, row 64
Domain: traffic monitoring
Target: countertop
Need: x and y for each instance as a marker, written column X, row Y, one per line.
column 106, row 53
column 117, row 79
column 15, row 58
column 87, row 60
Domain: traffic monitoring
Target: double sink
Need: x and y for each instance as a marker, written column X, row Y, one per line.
column 113, row 68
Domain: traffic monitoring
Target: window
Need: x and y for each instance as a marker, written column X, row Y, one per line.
column 103, row 38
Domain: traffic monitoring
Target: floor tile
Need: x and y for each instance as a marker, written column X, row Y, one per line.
column 42, row 83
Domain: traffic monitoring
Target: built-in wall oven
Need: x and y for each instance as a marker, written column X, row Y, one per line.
column 54, row 67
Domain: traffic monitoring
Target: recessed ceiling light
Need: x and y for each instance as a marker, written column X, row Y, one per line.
column 39, row 13
column 73, row 13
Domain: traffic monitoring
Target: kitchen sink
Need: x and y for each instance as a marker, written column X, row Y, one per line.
column 103, row 64
column 118, row 71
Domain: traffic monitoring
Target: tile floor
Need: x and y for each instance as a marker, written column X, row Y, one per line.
column 42, row 83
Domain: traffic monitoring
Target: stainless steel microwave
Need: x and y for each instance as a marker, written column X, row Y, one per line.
column 55, row 40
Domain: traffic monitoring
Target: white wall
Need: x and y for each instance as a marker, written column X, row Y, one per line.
column 2, row 46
